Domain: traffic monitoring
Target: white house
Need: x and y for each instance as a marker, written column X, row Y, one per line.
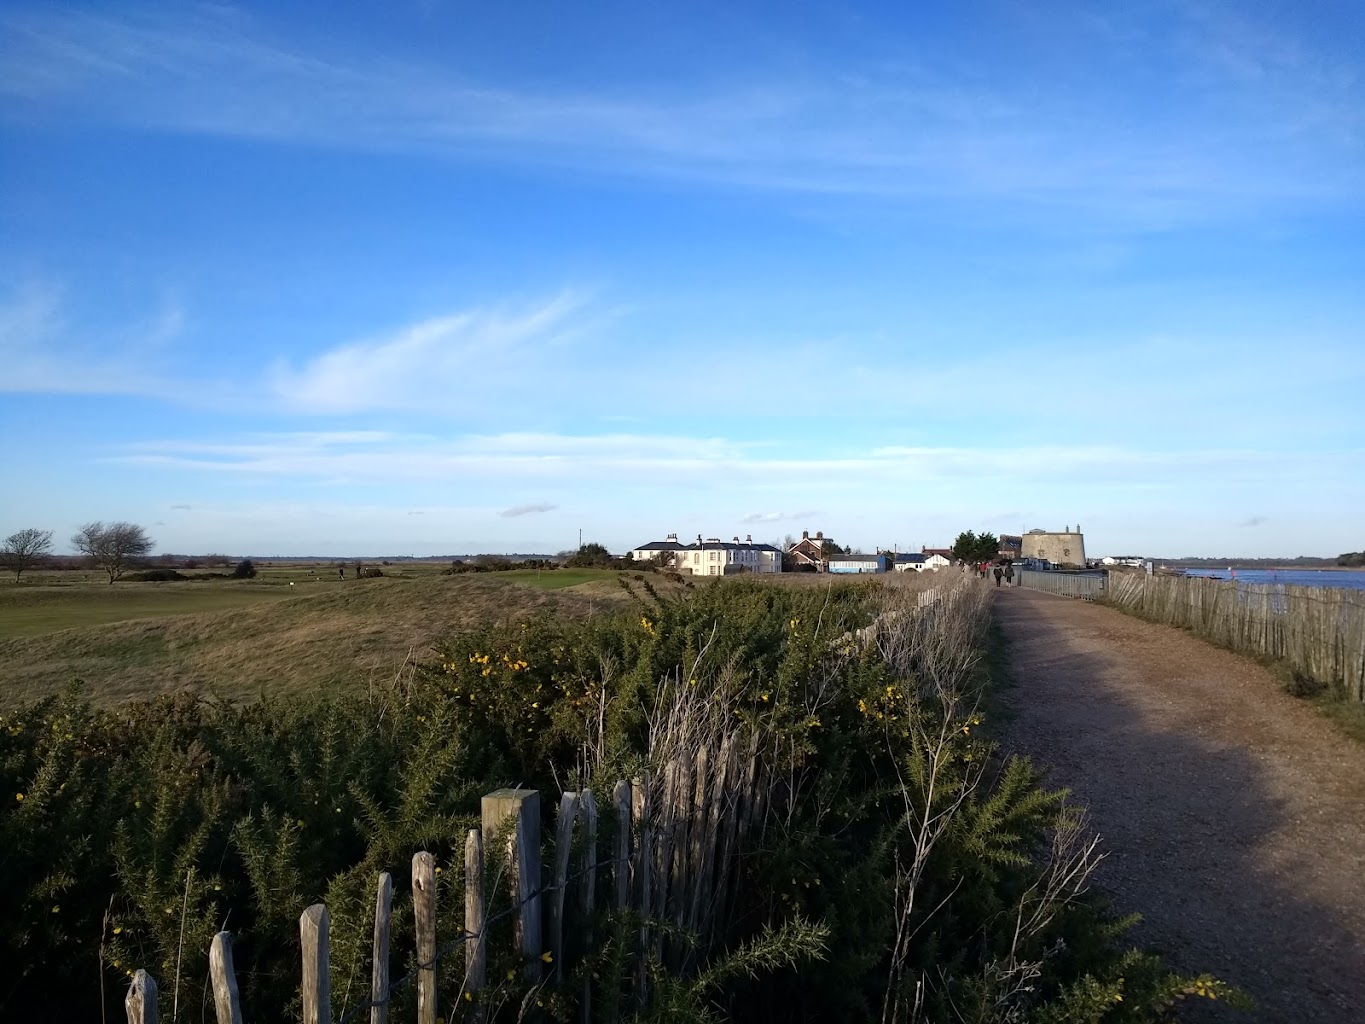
column 656, row 548
column 715, row 557
column 912, row 562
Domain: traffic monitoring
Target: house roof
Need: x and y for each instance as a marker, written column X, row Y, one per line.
column 853, row 558
column 725, row 545
column 659, row 545
column 911, row 558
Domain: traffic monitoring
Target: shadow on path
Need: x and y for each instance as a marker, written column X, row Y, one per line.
column 1234, row 816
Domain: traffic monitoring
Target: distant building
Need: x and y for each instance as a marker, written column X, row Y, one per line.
column 856, row 563
column 1136, row 560
column 656, row 549
column 809, row 552
column 919, row 563
column 934, row 560
column 1011, row 547
column 945, row 553
column 715, row 557
column 1065, row 549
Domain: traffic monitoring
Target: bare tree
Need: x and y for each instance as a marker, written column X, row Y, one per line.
column 114, row 547
column 23, row 549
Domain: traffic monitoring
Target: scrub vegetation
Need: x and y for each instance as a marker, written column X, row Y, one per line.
column 903, row 870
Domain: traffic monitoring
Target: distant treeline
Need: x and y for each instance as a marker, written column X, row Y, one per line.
column 1352, row 559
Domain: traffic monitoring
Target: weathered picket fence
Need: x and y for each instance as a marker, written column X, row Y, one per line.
column 675, row 839
column 1317, row 631
column 1088, row 586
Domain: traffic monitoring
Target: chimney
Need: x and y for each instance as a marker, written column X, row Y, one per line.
column 736, row 540
column 819, row 534
column 698, row 540
column 805, row 535
column 748, row 538
column 673, row 537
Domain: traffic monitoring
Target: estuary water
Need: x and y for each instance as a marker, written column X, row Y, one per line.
column 1347, row 579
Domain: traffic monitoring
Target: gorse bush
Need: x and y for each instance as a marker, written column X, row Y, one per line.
column 128, row 837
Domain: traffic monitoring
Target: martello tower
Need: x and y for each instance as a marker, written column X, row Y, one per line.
column 1066, row 548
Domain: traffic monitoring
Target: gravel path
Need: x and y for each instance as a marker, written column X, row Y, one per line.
column 1234, row 815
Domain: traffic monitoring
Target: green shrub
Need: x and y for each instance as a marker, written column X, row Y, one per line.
column 155, row 576
column 124, row 830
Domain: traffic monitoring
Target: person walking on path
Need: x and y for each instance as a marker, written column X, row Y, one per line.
column 998, row 573
column 1009, row 574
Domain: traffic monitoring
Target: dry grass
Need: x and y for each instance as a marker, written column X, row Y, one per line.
column 133, row 641
column 343, row 638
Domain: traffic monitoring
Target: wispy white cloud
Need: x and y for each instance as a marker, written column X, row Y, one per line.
column 432, row 362
column 40, row 353
column 670, row 461
column 892, row 131
column 775, row 517
column 517, row 511
column 448, row 363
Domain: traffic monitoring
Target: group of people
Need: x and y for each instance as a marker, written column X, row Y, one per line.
column 1005, row 572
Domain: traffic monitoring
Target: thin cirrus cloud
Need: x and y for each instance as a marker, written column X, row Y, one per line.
column 571, row 459
column 39, row 355
column 517, row 511
column 775, row 517
column 883, row 131
column 394, row 370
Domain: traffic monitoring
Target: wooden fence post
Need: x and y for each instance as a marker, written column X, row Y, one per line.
column 559, row 881
column 524, row 847
column 587, row 805
column 643, row 856
column 702, row 908
column 317, row 980
column 424, row 914
column 227, row 1000
column 140, row 1002
column 379, row 978
column 621, row 801
column 476, row 945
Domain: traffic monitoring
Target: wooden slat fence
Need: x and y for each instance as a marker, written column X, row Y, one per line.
column 671, row 863
column 1318, row 631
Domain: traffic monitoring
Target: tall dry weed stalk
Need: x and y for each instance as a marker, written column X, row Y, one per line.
column 934, row 641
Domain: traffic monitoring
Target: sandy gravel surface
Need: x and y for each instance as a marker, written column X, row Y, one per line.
column 1234, row 814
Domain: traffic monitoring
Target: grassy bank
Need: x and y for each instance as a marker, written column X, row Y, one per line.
column 242, row 640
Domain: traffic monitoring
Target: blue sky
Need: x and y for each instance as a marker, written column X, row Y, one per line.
column 437, row 277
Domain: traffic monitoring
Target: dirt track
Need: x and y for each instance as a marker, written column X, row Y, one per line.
column 1234, row 815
